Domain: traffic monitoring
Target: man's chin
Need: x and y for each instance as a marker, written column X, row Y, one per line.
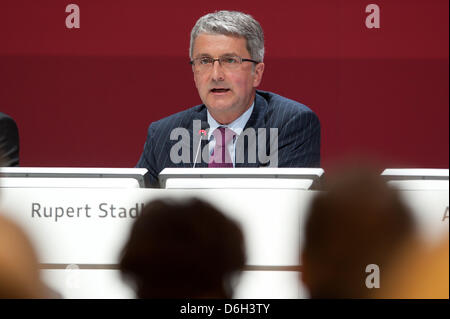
column 219, row 109
column 218, row 105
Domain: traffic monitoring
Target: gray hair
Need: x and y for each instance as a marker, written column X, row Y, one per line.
column 232, row 23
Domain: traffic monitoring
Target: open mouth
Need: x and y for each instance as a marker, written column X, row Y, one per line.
column 219, row 90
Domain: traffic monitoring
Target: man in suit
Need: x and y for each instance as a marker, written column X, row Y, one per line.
column 237, row 125
column 9, row 141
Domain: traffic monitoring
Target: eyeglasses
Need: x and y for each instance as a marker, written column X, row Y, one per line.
column 205, row 63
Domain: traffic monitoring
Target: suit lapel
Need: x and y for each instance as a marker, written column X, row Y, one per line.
column 255, row 121
column 201, row 115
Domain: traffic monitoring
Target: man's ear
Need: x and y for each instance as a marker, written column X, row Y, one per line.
column 259, row 70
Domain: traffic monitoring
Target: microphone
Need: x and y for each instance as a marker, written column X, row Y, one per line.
column 202, row 132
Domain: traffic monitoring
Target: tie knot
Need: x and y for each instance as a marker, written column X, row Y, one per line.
column 223, row 135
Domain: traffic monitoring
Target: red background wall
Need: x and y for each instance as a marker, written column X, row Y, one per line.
column 85, row 97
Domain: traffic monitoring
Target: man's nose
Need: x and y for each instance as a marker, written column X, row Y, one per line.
column 217, row 71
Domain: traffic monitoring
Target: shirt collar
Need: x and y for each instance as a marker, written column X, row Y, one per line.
column 237, row 125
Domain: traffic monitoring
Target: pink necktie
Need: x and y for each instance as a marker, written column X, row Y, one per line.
column 220, row 156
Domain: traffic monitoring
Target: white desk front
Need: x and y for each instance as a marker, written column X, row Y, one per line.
column 79, row 233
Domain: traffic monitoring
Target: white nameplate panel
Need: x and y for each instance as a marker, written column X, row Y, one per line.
column 90, row 226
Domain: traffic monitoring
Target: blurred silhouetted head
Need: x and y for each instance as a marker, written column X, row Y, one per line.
column 19, row 271
column 421, row 271
column 183, row 249
column 356, row 222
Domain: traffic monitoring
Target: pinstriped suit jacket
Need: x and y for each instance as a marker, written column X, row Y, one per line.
column 298, row 135
column 9, row 141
